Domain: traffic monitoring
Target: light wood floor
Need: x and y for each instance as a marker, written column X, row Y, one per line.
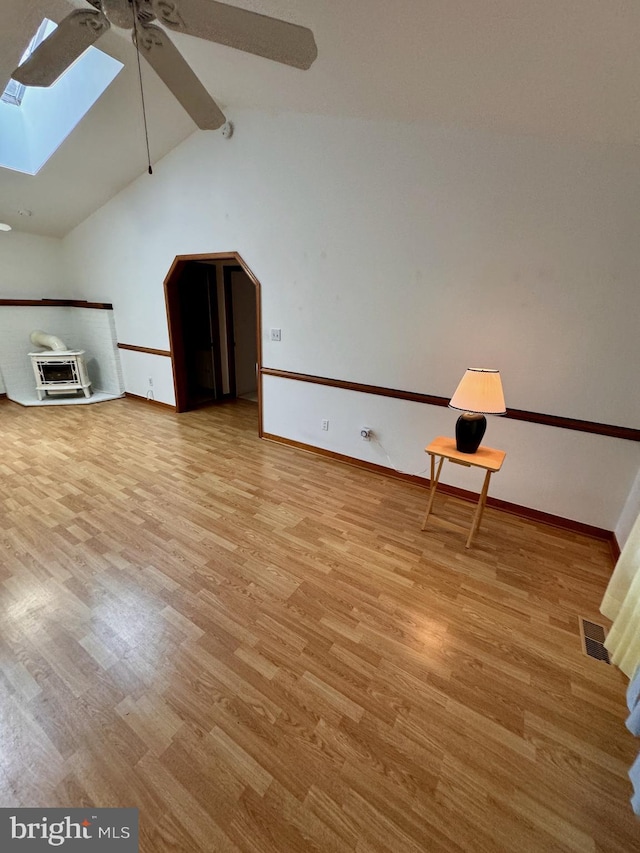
column 260, row 649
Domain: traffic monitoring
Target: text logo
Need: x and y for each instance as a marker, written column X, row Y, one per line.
column 103, row 830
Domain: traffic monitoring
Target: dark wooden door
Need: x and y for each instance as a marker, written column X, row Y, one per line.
column 200, row 327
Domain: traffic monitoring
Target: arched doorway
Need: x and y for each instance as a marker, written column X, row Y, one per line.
column 214, row 318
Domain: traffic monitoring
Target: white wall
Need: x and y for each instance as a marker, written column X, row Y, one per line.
column 30, row 268
column 139, row 367
column 629, row 513
column 398, row 255
column 571, row 474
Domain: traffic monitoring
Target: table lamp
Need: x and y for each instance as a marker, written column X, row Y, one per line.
column 478, row 394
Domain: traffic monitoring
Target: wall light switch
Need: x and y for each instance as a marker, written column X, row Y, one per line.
column 276, row 334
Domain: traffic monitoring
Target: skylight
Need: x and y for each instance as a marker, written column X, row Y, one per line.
column 14, row 91
column 34, row 122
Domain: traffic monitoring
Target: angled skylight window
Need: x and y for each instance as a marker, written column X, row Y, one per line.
column 34, row 122
column 14, row 91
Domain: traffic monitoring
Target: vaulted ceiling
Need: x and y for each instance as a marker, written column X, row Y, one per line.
column 559, row 69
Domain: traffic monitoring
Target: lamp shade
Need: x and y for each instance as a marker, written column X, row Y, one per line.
column 480, row 390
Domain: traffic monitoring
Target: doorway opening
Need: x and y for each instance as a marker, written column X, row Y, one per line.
column 213, row 313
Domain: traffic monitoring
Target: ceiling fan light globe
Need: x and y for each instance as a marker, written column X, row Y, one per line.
column 119, row 13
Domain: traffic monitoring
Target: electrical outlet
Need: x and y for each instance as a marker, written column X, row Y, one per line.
column 151, row 382
column 276, row 334
column 325, row 425
column 366, row 433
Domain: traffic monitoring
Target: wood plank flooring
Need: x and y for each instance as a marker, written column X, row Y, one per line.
column 260, row 649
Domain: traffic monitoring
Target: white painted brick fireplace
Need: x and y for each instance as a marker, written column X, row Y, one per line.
column 89, row 329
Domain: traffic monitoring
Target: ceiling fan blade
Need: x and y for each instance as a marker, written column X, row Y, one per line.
column 73, row 35
column 249, row 31
column 172, row 68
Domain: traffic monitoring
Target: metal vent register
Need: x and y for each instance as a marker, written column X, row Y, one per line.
column 593, row 637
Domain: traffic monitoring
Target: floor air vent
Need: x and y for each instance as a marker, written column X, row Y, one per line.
column 593, row 637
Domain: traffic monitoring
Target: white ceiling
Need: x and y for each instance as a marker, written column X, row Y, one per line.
column 567, row 69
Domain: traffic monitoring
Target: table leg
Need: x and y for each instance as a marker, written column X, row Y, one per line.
column 479, row 510
column 432, row 491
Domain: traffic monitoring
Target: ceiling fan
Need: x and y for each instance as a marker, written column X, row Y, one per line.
column 207, row 19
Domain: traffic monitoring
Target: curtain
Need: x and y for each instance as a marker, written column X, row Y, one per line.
column 621, row 604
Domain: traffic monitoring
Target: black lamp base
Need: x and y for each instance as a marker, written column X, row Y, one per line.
column 470, row 427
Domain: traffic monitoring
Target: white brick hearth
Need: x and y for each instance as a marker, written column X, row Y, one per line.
column 88, row 329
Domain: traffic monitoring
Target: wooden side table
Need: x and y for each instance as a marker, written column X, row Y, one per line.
column 485, row 457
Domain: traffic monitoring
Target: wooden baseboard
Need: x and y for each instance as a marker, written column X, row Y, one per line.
column 140, row 399
column 496, row 503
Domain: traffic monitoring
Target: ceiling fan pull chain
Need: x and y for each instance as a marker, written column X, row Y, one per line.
column 144, row 112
